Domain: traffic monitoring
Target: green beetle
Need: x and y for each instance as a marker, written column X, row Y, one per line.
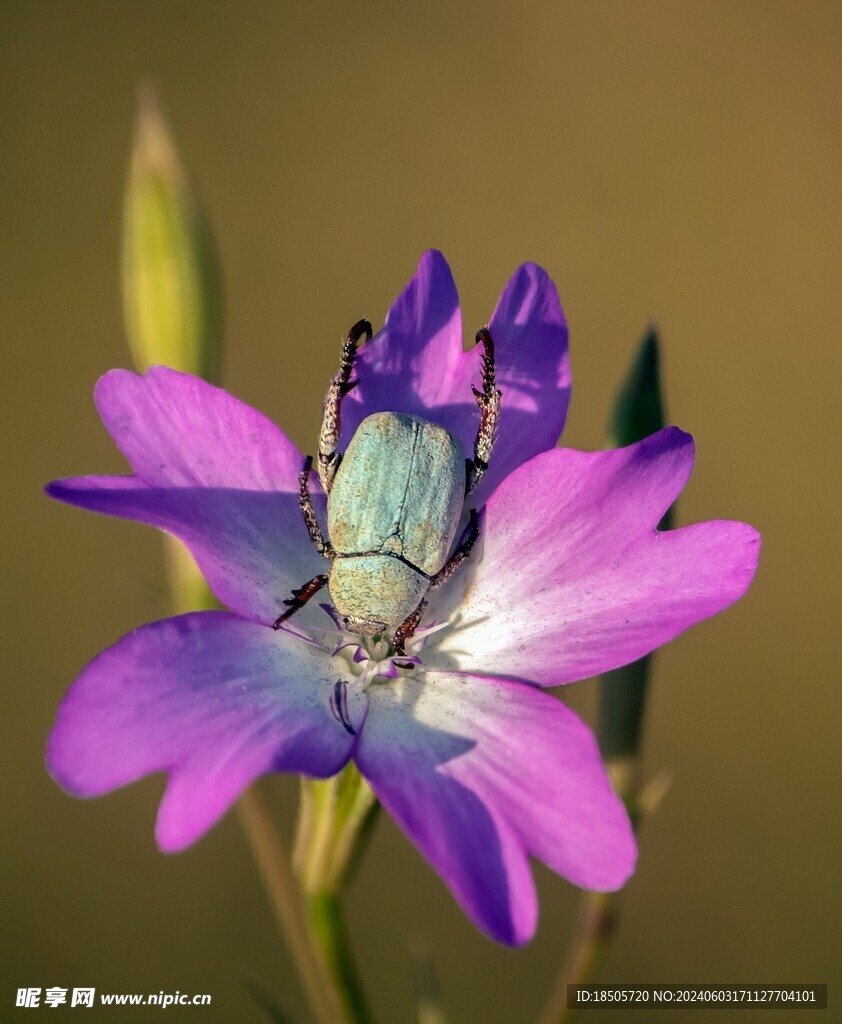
column 395, row 500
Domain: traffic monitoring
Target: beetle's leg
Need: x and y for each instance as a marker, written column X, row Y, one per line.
column 300, row 598
column 341, row 384
column 406, row 629
column 488, row 401
column 305, row 502
column 469, row 538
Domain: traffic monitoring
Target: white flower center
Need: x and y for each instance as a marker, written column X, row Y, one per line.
column 373, row 660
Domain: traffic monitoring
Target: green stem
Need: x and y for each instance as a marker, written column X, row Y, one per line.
column 271, row 857
column 598, row 911
column 593, row 931
column 330, row 935
column 335, row 817
column 429, row 1008
column 188, row 590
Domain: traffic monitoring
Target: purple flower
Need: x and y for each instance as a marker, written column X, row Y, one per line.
column 569, row 578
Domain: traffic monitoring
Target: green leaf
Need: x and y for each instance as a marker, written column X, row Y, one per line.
column 638, row 412
column 638, row 408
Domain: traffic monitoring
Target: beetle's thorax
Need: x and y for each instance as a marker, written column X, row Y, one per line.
column 375, row 592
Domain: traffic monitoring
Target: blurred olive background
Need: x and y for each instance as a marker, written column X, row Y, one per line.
column 675, row 162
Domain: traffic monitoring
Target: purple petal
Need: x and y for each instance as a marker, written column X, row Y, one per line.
column 252, row 546
column 573, row 578
column 211, row 471
column 176, row 430
column 482, row 773
column 533, row 371
column 209, row 698
column 416, row 365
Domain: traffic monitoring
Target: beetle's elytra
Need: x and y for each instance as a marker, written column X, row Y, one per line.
column 395, row 499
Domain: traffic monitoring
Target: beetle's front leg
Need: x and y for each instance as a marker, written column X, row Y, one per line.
column 305, row 503
column 300, row 598
column 488, row 401
column 469, row 538
column 406, row 629
column 341, row 384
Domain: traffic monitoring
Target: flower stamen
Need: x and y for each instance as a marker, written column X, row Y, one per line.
column 339, row 706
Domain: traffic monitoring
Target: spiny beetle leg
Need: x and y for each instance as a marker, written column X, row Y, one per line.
column 469, row 538
column 300, row 598
column 406, row 629
column 488, row 401
column 305, row 503
column 341, row 384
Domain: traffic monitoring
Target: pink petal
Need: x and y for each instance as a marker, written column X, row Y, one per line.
column 211, row 471
column 482, row 773
column 573, row 579
column 209, row 698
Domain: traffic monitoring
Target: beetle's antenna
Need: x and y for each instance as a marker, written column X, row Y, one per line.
column 488, row 401
column 341, row 384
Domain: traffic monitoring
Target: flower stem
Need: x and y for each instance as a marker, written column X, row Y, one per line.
column 188, row 590
column 598, row 911
column 429, row 1008
column 336, row 815
column 276, row 871
column 328, row 930
column 597, row 918
column 596, row 922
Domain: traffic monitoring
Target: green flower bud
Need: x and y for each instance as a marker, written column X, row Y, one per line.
column 170, row 281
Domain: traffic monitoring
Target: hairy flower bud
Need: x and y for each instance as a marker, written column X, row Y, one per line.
column 169, row 276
